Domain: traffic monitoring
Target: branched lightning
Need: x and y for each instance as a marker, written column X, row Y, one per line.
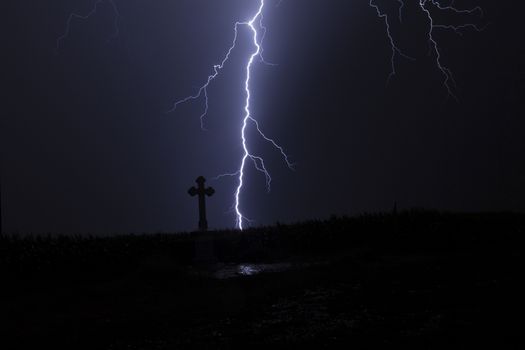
column 401, row 7
column 255, row 26
column 75, row 16
column 395, row 48
column 258, row 31
column 448, row 79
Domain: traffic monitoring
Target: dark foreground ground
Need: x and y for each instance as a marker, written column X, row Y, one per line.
column 421, row 280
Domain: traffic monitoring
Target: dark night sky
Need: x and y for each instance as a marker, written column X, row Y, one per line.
column 86, row 145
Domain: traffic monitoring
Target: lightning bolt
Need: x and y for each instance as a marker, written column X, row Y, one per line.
column 75, row 16
column 395, row 50
column 258, row 31
column 424, row 5
column 255, row 25
column 401, row 7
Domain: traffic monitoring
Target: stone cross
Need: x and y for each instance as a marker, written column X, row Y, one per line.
column 202, row 192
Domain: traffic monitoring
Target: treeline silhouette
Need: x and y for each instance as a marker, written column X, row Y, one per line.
column 408, row 232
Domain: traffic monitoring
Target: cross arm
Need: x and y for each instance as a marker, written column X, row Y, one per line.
column 210, row 191
column 193, row 191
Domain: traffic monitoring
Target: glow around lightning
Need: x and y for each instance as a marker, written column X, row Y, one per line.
column 258, row 31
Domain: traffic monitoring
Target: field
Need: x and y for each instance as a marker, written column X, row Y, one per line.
column 415, row 279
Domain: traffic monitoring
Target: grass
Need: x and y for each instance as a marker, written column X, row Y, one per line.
column 417, row 279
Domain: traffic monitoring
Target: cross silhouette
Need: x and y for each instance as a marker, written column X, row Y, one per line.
column 202, row 192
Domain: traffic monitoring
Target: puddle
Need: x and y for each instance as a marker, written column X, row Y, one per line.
column 239, row 270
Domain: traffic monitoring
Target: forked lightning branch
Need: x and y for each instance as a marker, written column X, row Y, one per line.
column 255, row 27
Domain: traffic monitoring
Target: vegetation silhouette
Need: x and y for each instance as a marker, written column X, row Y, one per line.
column 416, row 278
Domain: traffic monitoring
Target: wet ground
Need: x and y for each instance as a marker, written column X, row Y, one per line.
column 413, row 280
column 425, row 302
column 227, row 271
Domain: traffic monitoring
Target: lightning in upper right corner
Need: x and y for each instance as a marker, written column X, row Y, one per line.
column 427, row 7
